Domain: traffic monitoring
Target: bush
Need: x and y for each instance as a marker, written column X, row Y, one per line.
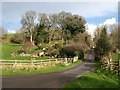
column 20, row 51
column 80, row 54
column 27, row 46
column 54, row 53
column 67, row 52
column 15, row 39
column 58, row 45
column 41, row 46
column 71, row 51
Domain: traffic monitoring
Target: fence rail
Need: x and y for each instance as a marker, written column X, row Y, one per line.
column 3, row 62
column 11, row 62
column 53, row 60
column 34, row 64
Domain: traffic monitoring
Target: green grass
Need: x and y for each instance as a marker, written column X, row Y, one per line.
column 34, row 51
column 7, row 49
column 42, row 58
column 92, row 80
column 116, row 56
column 109, row 73
column 9, row 36
column 44, row 70
column 98, row 79
column 0, row 51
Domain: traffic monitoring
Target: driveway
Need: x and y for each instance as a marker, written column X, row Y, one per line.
column 50, row 80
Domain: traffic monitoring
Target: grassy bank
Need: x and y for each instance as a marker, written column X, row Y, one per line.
column 7, row 50
column 92, row 80
column 98, row 79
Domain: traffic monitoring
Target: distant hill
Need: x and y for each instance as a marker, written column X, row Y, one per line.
column 7, row 39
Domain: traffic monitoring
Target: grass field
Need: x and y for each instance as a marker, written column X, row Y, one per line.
column 7, row 49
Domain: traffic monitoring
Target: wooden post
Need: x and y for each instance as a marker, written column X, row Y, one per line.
column 111, row 64
column 15, row 61
column 41, row 62
column 56, row 61
column 31, row 61
column 66, row 61
column 49, row 61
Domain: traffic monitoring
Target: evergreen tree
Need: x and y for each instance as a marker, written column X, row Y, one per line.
column 103, row 46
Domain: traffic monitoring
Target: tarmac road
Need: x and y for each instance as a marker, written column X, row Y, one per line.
column 50, row 80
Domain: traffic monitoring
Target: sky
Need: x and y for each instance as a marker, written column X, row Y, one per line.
column 95, row 13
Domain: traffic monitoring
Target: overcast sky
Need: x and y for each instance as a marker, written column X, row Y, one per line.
column 95, row 13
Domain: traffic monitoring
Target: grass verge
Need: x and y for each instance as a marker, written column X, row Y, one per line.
column 92, row 80
column 44, row 70
column 98, row 79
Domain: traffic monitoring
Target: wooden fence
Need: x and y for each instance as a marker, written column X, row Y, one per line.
column 11, row 62
column 21, row 64
column 35, row 62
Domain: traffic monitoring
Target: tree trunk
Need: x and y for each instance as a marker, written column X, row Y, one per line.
column 62, row 36
column 62, row 39
column 31, row 39
column 49, row 38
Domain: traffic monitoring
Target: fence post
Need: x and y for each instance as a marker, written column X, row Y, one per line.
column 31, row 61
column 49, row 61
column 41, row 62
column 56, row 61
column 15, row 61
column 66, row 61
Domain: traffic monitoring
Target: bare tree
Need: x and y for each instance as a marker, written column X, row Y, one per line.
column 97, row 34
column 114, row 36
column 28, row 23
column 3, row 33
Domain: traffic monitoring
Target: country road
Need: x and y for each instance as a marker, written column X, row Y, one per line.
column 49, row 80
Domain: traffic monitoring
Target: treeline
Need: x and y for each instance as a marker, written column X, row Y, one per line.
column 39, row 28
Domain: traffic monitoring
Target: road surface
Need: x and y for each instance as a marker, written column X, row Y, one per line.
column 50, row 80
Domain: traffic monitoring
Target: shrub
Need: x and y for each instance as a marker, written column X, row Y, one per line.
column 54, row 53
column 17, row 38
column 20, row 51
column 67, row 52
column 71, row 51
column 58, row 45
column 80, row 54
column 27, row 46
column 41, row 46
